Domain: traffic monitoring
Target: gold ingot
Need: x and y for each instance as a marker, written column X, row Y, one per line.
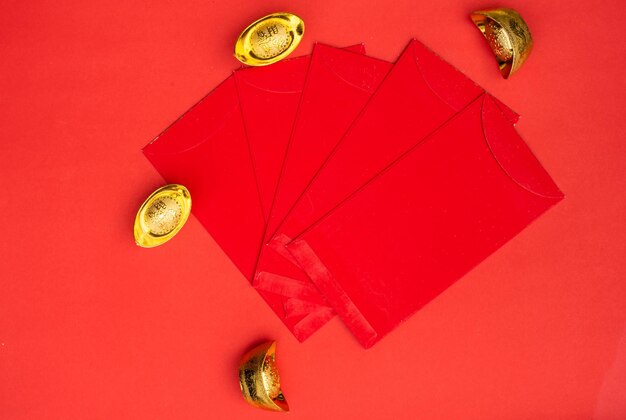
column 508, row 37
column 162, row 215
column 269, row 39
column 259, row 379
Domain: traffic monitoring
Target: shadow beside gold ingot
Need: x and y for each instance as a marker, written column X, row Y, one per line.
column 508, row 37
column 259, row 379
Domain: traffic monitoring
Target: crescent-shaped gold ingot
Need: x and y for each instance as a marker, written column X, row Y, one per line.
column 162, row 215
column 508, row 37
column 259, row 379
column 269, row 39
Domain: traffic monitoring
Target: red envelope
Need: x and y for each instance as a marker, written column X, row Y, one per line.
column 420, row 93
column 429, row 218
column 338, row 85
column 207, row 151
column 269, row 98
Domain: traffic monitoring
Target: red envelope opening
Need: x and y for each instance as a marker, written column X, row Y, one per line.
column 425, row 221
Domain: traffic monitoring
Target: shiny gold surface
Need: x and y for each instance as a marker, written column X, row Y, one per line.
column 162, row 215
column 508, row 37
column 259, row 379
column 269, row 39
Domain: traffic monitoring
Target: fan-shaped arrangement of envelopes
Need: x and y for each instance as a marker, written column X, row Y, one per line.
column 339, row 183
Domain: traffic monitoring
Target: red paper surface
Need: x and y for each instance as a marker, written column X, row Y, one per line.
column 389, row 249
column 92, row 326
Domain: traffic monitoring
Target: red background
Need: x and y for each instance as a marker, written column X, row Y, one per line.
column 92, row 326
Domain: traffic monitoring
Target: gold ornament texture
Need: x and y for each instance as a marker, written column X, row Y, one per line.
column 269, row 39
column 259, row 379
column 507, row 35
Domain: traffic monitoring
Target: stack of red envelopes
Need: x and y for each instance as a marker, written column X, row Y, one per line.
column 341, row 183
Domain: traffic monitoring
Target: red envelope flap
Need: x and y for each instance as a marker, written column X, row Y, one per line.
column 288, row 290
column 420, row 225
column 511, row 116
column 283, row 77
column 200, row 122
column 449, row 84
column 312, row 322
column 513, row 154
column 206, row 150
column 289, row 287
column 355, row 70
column 341, row 302
column 357, row 48
column 301, row 308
